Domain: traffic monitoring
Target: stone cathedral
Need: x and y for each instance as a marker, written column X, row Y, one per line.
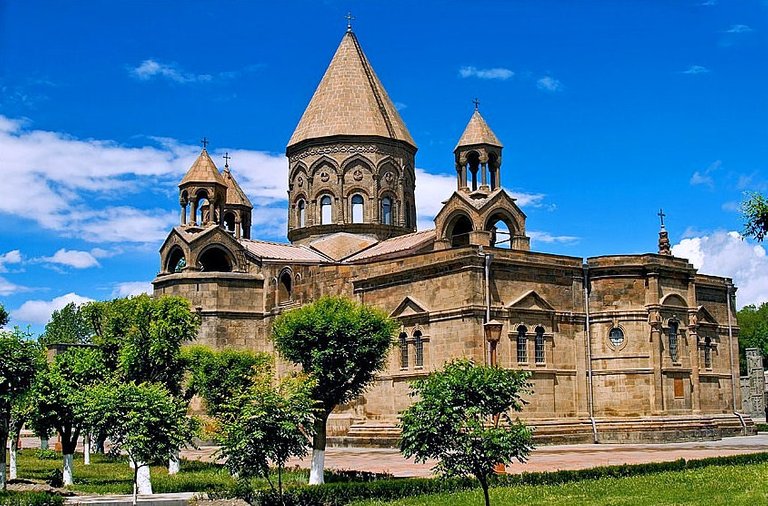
column 620, row 347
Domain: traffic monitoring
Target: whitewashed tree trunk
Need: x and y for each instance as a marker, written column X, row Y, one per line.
column 12, row 471
column 87, row 450
column 68, row 470
column 174, row 464
column 2, row 477
column 43, row 443
column 316, row 470
column 143, row 480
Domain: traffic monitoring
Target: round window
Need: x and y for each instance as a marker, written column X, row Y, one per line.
column 616, row 336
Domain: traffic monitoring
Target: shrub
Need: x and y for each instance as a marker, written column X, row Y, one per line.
column 11, row 498
column 47, row 454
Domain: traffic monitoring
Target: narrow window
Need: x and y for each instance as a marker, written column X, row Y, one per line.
column 708, row 352
column 673, row 340
column 616, row 336
column 408, row 215
column 418, row 344
column 357, row 209
column 539, row 345
column 325, row 210
column 386, row 211
column 522, row 343
column 403, row 350
column 302, row 212
column 284, row 288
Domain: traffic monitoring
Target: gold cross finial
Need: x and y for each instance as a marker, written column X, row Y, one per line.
column 204, row 142
column 661, row 215
column 477, row 103
column 226, row 158
column 349, row 21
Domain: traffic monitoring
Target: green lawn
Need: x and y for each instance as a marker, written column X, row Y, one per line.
column 711, row 486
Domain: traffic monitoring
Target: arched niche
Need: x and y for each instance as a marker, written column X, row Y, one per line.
column 458, row 230
column 215, row 259
column 176, row 260
column 284, row 286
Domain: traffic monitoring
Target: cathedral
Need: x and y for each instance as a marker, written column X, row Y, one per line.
column 619, row 347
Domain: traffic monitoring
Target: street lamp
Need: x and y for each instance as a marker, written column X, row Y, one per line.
column 492, row 331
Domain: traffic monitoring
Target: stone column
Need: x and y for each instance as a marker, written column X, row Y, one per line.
column 693, row 355
column 193, row 211
column 657, row 390
column 484, row 174
column 183, row 205
column 237, row 226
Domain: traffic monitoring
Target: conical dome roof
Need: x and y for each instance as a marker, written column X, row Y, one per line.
column 478, row 132
column 203, row 171
column 350, row 100
column 235, row 195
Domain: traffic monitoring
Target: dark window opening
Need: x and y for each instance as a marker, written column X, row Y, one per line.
column 522, row 344
column 460, row 232
column 539, row 345
column 418, row 345
column 176, row 261
column 215, row 260
column 673, row 325
column 403, row 350
column 284, row 288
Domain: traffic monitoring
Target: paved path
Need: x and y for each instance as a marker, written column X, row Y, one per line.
column 544, row 458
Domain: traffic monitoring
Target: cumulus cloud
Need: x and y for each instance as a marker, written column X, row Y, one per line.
column 85, row 188
column 550, row 84
column 499, row 73
column 728, row 254
column 38, row 312
column 72, row 258
column 11, row 257
column 131, row 288
column 696, row 69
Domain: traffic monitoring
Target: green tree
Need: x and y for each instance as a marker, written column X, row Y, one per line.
column 462, row 420
column 144, row 420
column 59, row 400
column 19, row 365
column 220, row 376
column 270, row 424
column 67, row 325
column 3, row 316
column 753, row 331
column 755, row 211
column 341, row 345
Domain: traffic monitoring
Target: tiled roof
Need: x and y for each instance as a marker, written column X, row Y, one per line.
column 478, row 132
column 350, row 100
column 401, row 244
column 278, row 251
column 341, row 244
column 203, row 171
column 235, row 195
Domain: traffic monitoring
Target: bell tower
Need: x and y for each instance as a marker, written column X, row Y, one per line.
column 351, row 157
column 478, row 156
column 202, row 192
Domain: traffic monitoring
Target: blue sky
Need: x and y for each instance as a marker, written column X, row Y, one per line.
column 608, row 111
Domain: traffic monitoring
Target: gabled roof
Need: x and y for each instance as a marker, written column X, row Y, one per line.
column 278, row 251
column 203, row 171
column 478, row 132
column 235, row 195
column 350, row 100
column 341, row 244
column 409, row 306
column 531, row 301
column 397, row 246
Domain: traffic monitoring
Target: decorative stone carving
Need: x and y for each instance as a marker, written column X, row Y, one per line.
column 357, row 175
column 300, row 182
column 324, row 176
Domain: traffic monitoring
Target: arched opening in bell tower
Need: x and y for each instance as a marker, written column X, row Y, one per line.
column 459, row 231
column 215, row 259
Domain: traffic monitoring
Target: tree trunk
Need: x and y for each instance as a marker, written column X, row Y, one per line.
column 484, row 484
column 12, row 472
column 174, row 464
column 43, row 443
column 3, row 443
column 316, row 471
column 67, row 475
column 87, row 450
column 143, row 479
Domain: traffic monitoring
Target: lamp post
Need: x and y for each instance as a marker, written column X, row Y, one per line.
column 492, row 331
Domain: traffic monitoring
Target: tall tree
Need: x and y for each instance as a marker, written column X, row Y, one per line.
column 19, row 364
column 461, row 419
column 68, row 325
column 341, row 345
column 753, row 331
column 755, row 211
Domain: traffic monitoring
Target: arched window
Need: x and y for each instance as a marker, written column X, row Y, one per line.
column 284, row 287
column 522, row 344
column 229, row 221
column 418, row 345
column 500, row 226
column 460, row 231
column 357, row 208
column 203, row 212
column 616, row 336
column 708, row 352
column 301, row 213
column 215, row 260
column 673, row 326
column 386, row 211
column 326, row 215
column 539, row 345
column 403, row 350
column 176, row 260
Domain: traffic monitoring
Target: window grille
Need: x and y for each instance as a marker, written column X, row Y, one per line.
column 419, row 346
column 522, row 343
column 539, row 345
column 673, row 340
column 403, row 350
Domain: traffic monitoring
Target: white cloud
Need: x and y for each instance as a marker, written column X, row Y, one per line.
column 38, row 312
column 550, row 84
column 738, row 29
column 150, row 68
column 705, row 177
column 491, row 73
column 11, row 257
column 72, row 258
column 8, row 288
column 731, row 207
column 696, row 69
column 546, row 237
column 727, row 254
column 85, row 188
column 131, row 288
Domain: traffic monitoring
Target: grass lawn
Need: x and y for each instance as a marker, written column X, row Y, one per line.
column 711, row 486
column 106, row 475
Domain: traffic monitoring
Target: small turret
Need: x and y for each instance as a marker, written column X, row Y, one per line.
column 478, row 152
column 237, row 208
column 202, row 192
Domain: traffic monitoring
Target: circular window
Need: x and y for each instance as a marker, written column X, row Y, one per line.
column 616, row 335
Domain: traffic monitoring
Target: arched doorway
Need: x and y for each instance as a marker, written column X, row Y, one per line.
column 215, row 260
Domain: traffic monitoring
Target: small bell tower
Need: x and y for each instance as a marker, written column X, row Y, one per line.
column 202, row 192
column 478, row 156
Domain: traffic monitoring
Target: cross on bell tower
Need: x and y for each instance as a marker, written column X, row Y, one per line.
column 664, row 246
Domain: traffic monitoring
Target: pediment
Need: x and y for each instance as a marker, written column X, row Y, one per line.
column 530, row 301
column 705, row 316
column 409, row 307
